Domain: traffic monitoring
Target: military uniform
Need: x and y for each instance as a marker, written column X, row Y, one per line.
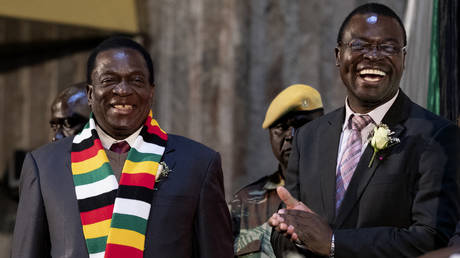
column 250, row 208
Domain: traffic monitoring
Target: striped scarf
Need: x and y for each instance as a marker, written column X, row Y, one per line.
column 114, row 217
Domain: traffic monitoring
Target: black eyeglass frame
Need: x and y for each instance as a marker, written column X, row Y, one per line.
column 68, row 122
column 385, row 49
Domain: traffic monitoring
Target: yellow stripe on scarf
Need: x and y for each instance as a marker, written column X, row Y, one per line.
column 149, row 167
column 126, row 237
column 98, row 229
column 90, row 164
column 154, row 122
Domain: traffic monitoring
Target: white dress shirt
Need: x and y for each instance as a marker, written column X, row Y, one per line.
column 107, row 140
column 376, row 114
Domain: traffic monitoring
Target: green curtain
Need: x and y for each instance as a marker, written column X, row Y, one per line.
column 433, row 83
column 449, row 59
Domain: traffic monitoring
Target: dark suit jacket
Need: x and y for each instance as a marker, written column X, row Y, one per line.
column 189, row 216
column 455, row 240
column 404, row 205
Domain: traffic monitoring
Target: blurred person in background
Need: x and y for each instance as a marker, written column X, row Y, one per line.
column 251, row 206
column 69, row 111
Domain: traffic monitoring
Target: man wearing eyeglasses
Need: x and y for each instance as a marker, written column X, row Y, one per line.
column 376, row 178
column 253, row 205
column 69, row 111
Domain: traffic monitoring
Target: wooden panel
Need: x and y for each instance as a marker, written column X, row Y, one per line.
column 98, row 14
column 27, row 92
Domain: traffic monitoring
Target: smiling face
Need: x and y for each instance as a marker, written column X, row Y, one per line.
column 120, row 95
column 371, row 77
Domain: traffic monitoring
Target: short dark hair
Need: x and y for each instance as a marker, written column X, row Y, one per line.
column 118, row 42
column 376, row 8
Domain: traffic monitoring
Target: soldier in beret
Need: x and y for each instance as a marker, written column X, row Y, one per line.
column 255, row 203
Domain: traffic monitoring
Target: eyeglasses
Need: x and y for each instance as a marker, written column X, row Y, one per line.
column 363, row 47
column 68, row 122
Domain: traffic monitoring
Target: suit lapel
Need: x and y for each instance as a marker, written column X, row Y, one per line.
column 68, row 162
column 398, row 113
column 168, row 156
column 330, row 137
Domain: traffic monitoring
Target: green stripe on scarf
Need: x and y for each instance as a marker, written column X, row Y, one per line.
column 96, row 245
column 126, row 221
column 136, row 156
column 93, row 176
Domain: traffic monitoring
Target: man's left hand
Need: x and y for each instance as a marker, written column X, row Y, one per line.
column 310, row 229
column 305, row 225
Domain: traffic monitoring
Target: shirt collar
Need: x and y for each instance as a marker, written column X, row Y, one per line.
column 274, row 181
column 376, row 114
column 107, row 140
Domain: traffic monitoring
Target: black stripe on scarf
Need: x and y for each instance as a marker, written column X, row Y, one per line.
column 152, row 138
column 96, row 202
column 86, row 143
column 135, row 193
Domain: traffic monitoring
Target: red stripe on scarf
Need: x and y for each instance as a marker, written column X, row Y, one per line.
column 155, row 129
column 88, row 153
column 97, row 215
column 122, row 251
column 139, row 179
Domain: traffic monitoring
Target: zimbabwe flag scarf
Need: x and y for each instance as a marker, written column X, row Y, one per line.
column 114, row 217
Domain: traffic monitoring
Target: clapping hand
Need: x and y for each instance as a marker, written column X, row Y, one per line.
column 301, row 224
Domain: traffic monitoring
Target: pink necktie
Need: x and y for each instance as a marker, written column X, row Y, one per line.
column 350, row 157
column 120, row 147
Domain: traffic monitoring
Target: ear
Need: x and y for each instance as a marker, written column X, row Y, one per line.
column 337, row 56
column 404, row 58
column 89, row 93
column 152, row 92
column 152, row 95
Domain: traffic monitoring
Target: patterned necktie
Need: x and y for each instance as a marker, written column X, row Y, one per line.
column 350, row 156
column 120, row 147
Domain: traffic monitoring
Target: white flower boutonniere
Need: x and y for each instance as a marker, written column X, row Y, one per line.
column 163, row 172
column 381, row 139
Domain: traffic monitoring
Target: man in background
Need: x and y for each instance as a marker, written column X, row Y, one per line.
column 255, row 203
column 69, row 111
